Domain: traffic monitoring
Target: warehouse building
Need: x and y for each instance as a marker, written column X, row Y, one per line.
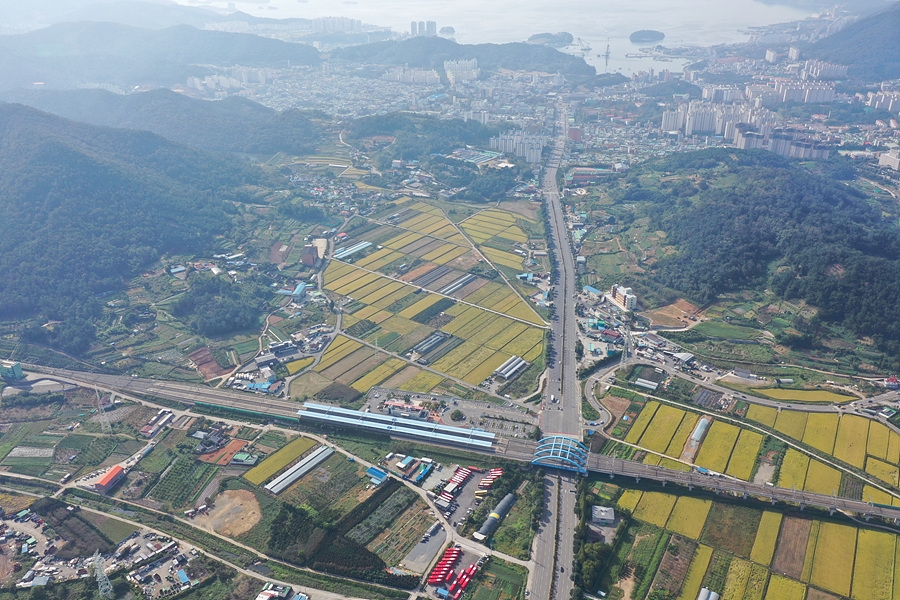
column 493, row 521
column 109, row 480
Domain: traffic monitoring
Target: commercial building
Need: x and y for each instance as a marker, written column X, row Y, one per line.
column 623, row 298
column 890, row 159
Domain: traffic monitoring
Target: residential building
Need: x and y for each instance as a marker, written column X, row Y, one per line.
column 890, row 159
column 623, row 297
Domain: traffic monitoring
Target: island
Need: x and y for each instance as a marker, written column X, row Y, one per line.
column 646, row 36
column 554, row 40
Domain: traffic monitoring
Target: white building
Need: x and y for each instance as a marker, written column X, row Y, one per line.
column 623, row 298
column 890, row 159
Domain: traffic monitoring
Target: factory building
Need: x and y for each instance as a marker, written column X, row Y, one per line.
column 109, row 480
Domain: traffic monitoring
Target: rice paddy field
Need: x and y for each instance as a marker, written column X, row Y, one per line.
column 278, row 461
column 749, row 554
column 484, row 326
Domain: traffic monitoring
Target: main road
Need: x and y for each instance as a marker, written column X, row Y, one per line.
column 555, row 544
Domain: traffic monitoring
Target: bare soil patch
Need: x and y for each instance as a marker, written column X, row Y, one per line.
column 224, row 455
column 348, row 362
column 469, row 288
column 674, row 566
column 235, row 512
column 418, row 272
column 673, row 315
column 814, row 594
column 400, row 378
column 206, row 364
column 280, row 251
column 791, row 550
column 617, row 406
column 529, row 210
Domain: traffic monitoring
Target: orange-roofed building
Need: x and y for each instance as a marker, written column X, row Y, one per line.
column 110, row 479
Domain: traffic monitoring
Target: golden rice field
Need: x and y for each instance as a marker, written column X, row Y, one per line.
column 340, row 348
column 275, row 463
column 791, row 423
column 681, row 435
column 810, row 554
column 850, row 444
column 766, row 538
column 822, row 479
column 694, row 580
column 662, row 428
column 873, row 494
column 295, row 366
column 879, row 440
column 716, row 449
column 782, row 588
column 737, row 578
column 883, row 471
column 689, row 516
column 743, row 457
column 835, row 551
column 629, row 500
column 793, row 470
column 425, row 381
column 805, row 395
column 821, row 430
column 381, row 373
column 765, row 415
column 641, row 423
column 873, row 570
column 655, row 508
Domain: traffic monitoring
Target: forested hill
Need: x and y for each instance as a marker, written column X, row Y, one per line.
column 431, row 52
column 85, row 207
column 73, row 54
column 741, row 220
column 234, row 124
column 869, row 47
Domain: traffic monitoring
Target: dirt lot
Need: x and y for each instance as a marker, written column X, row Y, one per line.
column 814, row 594
column 672, row 315
column 207, row 364
column 529, row 210
column 417, row 272
column 791, row 550
column 617, row 406
column 674, row 566
column 235, row 512
column 224, row 455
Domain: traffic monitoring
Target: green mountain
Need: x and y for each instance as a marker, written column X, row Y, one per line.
column 75, row 54
column 869, row 46
column 234, row 124
column 430, row 53
column 85, row 208
column 752, row 220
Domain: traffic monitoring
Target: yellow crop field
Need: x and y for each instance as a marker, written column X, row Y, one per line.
column 483, row 292
column 483, row 371
column 400, row 325
column 689, row 516
column 805, row 395
column 385, row 288
column 873, row 571
column 449, row 360
column 335, row 271
column 893, row 455
column 526, row 313
column 513, row 234
column 743, row 457
column 535, row 351
column 821, row 430
column 629, row 500
column 451, row 255
column 391, row 298
column 366, row 312
column 524, row 341
column 793, row 470
column 402, row 240
column 376, row 256
column 879, row 437
column 766, row 538
column 439, row 252
column 462, row 319
column 655, row 508
column 873, row 494
column 423, row 382
column 835, row 550
column 415, row 308
column 888, row 473
column 810, row 553
column 332, row 355
column 681, row 435
column 791, row 423
column 782, row 588
column 295, row 366
column 272, row 465
column 717, row 447
column 506, row 259
column 737, row 578
column 345, row 278
column 357, row 284
column 897, row 571
column 470, row 361
column 477, row 324
column 822, row 479
column 764, row 415
column 506, row 335
column 378, row 374
column 850, row 444
column 691, row 586
column 640, row 424
column 659, row 432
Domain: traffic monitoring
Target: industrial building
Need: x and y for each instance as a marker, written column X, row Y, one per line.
column 283, row 481
column 623, row 298
column 493, row 521
column 512, row 367
column 109, row 480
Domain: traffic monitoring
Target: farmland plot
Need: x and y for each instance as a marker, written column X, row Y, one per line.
column 850, row 445
column 821, row 431
column 791, row 423
column 793, row 470
column 782, row 588
column 835, row 550
column 641, row 423
column 662, row 428
column 766, row 415
column 873, row 572
column 716, row 449
column 822, row 479
column 743, row 458
column 655, row 508
column 691, row 587
column 766, row 538
column 689, row 516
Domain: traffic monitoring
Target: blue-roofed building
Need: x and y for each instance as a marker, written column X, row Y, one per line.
column 594, row 292
column 376, row 473
column 406, row 462
column 182, row 577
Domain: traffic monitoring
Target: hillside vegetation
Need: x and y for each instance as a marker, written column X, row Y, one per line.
column 234, row 124
column 869, row 46
column 85, row 208
column 739, row 220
